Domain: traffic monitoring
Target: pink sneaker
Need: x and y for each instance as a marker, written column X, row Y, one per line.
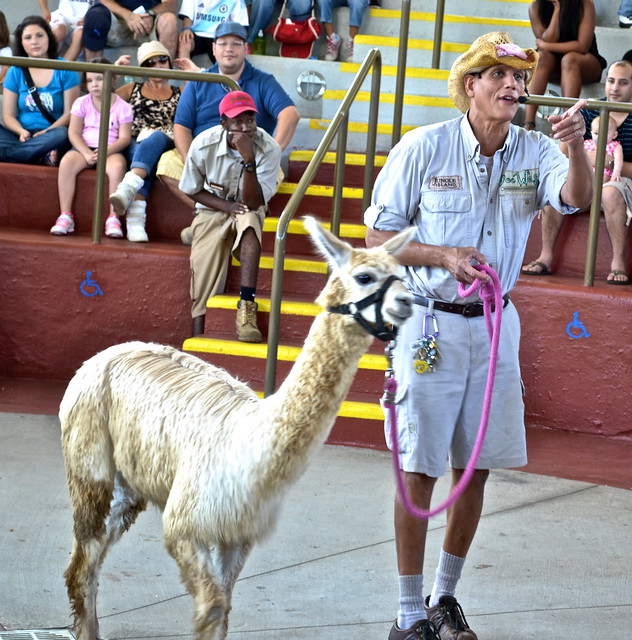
column 64, row 225
column 113, row 227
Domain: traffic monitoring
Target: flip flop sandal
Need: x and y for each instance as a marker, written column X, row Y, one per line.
column 616, row 273
column 544, row 270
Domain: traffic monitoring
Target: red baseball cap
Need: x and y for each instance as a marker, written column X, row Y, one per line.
column 236, row 102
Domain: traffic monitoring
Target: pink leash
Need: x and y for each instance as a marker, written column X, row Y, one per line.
column 490, row 292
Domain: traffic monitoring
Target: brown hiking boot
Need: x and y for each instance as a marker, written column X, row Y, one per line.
column 421, row 630
column 449, row 619
column 246, row 323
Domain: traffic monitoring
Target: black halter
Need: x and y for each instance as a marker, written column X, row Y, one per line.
column 379, row 329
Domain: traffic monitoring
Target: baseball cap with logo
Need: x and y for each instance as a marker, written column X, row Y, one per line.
column 236, row 102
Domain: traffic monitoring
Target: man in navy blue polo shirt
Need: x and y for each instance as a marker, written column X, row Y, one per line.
column 114, row 23
column 198, row 108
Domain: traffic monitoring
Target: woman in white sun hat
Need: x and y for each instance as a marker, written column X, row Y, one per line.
column 154, row 102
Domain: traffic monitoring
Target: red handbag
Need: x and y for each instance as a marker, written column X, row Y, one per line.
column 296, row 37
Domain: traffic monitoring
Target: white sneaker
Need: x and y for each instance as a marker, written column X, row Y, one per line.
column 333, row 47
column 122, row 198
column 350, row 50
column 625, row 22
column 64, row 225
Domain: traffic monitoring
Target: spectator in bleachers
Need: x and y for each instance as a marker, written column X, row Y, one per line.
column 333, row 40
column 5, row 41
column 85, row 124
column 199, row 22
column 115, row 23
column 67, row 24
column 565, row 39
column 198, row 108
column 625, row 14
column 154, row 102
column 35, row 122
column 262, row 12
column 614, row 196
column 231, row 174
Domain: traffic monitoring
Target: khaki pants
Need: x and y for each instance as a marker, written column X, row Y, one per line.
column 215, row 237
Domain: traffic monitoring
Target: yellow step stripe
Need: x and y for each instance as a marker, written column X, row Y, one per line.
column 287, row 307
column 297, row 227
column 355, row 159
column 453, row 18
column 390, row 70
column 360, row 127
column 389, row 98
column 388, row 41
column 307, row 266
column 285, row 353
column 321, row 190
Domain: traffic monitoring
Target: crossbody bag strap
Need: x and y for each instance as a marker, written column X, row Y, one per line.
column 36, row 96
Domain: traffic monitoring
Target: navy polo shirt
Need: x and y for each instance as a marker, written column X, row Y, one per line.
column 198, row 108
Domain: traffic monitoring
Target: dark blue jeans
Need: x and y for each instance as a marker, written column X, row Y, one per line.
column 31, row 150
column 145, row 155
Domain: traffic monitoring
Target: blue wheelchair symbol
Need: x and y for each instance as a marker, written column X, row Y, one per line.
column 575, row 328
column 89, row 287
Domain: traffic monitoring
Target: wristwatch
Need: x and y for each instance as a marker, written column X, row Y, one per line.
column 250, row 167
column 152, row 13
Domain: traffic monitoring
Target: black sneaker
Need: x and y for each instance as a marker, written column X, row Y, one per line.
column 449, row 619
column 421, row 630
column 625, row 22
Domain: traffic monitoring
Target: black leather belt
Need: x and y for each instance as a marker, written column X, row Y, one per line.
column 471, row 310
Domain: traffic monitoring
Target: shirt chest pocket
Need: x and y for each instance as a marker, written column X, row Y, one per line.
column 445, row 217
column 514, row 204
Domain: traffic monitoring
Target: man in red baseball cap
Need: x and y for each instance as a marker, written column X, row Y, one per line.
column 231, row 173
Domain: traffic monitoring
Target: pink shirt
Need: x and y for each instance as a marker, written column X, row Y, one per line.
column 120, row 113
column 591, row 145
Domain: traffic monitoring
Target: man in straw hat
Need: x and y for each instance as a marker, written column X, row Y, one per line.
column 471, row 186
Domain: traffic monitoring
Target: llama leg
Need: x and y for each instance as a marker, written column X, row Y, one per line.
column 91, row 503
column 228, row 561
column 196, row 571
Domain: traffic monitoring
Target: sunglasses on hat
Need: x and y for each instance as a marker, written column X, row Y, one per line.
column 152, row 62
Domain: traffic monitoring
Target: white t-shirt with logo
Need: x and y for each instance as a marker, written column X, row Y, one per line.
column 206, row 15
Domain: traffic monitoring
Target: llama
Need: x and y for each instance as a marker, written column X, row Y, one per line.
column 145, row 423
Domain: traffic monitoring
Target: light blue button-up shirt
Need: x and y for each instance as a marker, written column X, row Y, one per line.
column 436, row 179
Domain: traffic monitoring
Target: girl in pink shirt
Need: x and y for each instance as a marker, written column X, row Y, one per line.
column 83, row 133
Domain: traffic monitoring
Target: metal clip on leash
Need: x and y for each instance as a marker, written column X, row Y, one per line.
column 492, row 290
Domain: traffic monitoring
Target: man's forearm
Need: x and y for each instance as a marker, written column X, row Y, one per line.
column 286, row 126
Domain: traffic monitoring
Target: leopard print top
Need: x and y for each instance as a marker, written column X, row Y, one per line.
column 153, row 114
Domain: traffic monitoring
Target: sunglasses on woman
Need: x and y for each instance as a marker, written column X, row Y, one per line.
column 152, row 62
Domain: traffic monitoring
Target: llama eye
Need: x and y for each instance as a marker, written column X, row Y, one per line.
column 364, row 278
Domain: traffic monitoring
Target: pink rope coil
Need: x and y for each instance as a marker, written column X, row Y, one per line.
column 491, row 293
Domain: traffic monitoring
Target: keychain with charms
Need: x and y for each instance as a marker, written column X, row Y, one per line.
column 425, row 350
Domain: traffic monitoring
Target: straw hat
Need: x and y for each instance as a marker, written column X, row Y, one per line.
column 149, row 50
column 490, row 49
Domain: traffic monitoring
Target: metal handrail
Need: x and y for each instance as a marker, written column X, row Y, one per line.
column 604, row 107
column 438, row 34
column 109, row 70
column 340, row 121
column 402, row 54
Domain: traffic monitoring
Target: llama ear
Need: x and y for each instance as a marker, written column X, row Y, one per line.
column 394, row 244
column 335, row 251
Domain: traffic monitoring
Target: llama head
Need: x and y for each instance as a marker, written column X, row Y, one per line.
column 364, row 283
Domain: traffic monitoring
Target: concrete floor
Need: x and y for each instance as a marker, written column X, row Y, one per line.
column 552, row 557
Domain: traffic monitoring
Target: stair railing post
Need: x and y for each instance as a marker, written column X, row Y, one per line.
column 438, row 34
column 404, row 28
column 595, row 205
column 339, row 175
column 371, row 143
column 104, row 122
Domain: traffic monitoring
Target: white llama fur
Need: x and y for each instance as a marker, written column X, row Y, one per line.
column 147, row 423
